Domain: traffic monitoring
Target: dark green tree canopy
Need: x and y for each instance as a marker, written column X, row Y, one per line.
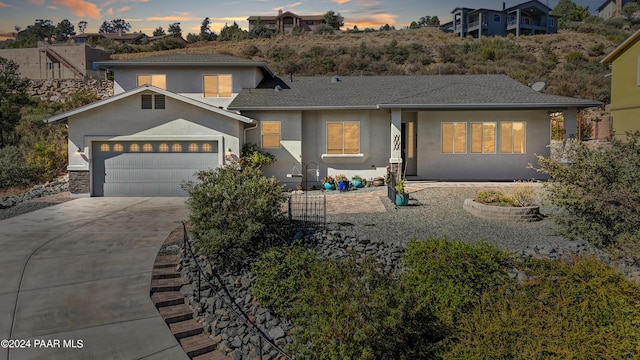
column 64, row 30
column 568, row 12
column 334, row 20
column 82, row 26
column 159, row 31
column 175, row 29
column 233, row 32
column 13, row 95
column 115, row 26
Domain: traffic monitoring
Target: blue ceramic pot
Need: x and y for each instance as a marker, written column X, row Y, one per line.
column 328, row 186
column 357, row 183
column 343, row 185
column 402, row 199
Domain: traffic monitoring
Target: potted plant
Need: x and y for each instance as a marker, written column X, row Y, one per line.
column 357, row 181
column 402, row 198
column 328, row 183
column 377, row 181
column 343, row 182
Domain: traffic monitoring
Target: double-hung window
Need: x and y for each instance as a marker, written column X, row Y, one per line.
column 454, row 138
column 343, row 138
column 483, row 138
column 217, row 86
column 513, row 137
column 157, row 80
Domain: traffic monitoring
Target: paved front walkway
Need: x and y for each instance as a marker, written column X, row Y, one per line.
column 80, row 273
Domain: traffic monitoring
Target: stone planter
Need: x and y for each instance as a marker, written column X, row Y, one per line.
column 506, row 213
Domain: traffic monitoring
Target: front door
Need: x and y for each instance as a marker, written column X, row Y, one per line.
column 409, row 148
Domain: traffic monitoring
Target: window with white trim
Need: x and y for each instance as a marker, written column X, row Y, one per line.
column 217, row 85
column 157, row 80
column 454, row 138
column 513, row 137
column 343, row 138
column 483, row 138
column 270, row 134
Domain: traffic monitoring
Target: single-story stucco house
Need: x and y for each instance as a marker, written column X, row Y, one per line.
column 172, row 115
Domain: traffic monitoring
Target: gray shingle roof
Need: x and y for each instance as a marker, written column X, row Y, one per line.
column 372, row 92
column 183, row 60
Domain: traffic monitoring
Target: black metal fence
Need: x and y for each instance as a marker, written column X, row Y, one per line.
column 229, row 302
column 308, row 211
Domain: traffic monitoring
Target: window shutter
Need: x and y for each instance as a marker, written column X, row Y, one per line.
column 147, row 101
column 159, row 102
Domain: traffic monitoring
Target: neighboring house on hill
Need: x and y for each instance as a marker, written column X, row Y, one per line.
column 612, row 8
column 528, row 18
column 56, row 61
column 175, row 114
column 287, row 21
column 625, row 85
column 117, row 38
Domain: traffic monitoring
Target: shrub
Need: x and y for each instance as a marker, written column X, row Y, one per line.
column 580, row 309
column 16, row 171
column 523, row 193
column 495, row 198
column 280, row 273
column 253, row 156
column 598, row 191
column 233, row 212
column 449, row 277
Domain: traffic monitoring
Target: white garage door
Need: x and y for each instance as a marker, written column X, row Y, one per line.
column 151, row 168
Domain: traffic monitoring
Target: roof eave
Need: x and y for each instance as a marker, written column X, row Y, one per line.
column 301, row 108
column 506, row 106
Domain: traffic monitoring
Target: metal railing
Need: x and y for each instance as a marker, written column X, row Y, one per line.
column 230, row 302
column 307, row 211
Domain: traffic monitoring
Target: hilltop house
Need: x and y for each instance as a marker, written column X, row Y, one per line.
column 625, row 85
column 286, row 21
column 174, row 114
column 612, row 8
column 528, row 18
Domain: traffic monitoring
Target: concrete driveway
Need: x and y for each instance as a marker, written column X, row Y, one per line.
column 79, row 273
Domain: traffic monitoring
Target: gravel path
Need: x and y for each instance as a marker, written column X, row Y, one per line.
column 437, row 212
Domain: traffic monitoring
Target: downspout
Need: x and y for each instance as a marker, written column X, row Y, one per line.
column 244, row 140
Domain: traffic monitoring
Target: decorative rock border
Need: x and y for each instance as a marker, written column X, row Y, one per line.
column 508, row 213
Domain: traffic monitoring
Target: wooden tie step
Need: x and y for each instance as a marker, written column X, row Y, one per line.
column 166, row 261
column 176, row 313
column 214, row 355
column 165, row 273
column 172, row 284
column 197, row 345
column 185, row 329
column 167, row 298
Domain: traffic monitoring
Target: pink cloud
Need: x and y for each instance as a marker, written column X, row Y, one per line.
column 340, row 1
column 123, row 9
column 51, row 7
column 3, row 5
column 37, row 2
column 110, row 11
column 79, row 7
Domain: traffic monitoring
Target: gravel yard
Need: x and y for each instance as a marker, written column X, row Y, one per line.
column 436, row 211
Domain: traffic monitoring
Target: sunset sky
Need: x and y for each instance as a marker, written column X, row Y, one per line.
column 146, row 15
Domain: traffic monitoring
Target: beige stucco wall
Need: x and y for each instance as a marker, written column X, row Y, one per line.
column 188, row 81
column 625, row 91
column 434, row 165
column 374, row 143
column 289, row 154
column 124, row 120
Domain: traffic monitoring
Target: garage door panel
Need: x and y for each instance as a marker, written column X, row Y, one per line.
column 148, row 173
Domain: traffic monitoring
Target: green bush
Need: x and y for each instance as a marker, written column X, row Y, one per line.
column 253, row 156
column 16, row 171
column 580, row 309
column 598, row 191
column 448, row 277
column 280, row 274
column 495, row 198
column 233, row 212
